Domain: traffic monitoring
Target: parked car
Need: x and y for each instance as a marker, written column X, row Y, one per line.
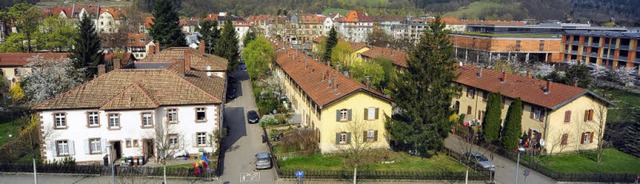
column 231, row 95
column 478, row 159
column 253, row 117
column 263, row 160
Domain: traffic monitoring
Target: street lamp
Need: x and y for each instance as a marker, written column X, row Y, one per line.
column 520, row 149
column 111, row 162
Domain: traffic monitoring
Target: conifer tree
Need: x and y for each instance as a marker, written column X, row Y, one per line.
column 491, row 122
column 166, row 28
column 227, row 46
column 424, row 92
column 331, row 42
column 512, row 126
column 86, row 53
column 210, row 35
column 250, row 37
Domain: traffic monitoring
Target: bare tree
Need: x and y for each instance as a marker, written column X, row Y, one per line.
column 357, row 151
column 167, row 141
column 597, row 125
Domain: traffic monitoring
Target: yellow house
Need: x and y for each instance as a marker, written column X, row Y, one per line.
column 12, row 65
column 556, row 117
column 354, row 56
column 344, row 113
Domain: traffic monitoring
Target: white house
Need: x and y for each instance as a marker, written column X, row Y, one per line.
column 176, row 95
column 355, row 26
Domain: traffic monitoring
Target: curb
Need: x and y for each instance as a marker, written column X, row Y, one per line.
column 50, row 174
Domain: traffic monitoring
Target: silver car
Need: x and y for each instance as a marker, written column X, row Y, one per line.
column 479, row 159
column 263, row 160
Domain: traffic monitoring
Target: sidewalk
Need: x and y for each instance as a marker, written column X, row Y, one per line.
column 505, row 168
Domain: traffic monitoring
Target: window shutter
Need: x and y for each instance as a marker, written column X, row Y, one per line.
column 591, row 114
column 103, row 144
column 590, row 137
column 337, row 115
column 337, row 138
column 349, row 138
column 377, row 112
column 349, row 114
column 582, row 138
column 586, row 115
column 567, row 116
column 87, row 145
column 565, row 138
column 375, row 135
column 364, row 136
column 531, row 113
column 72, row 149
column 195, row 141
column 366, row 113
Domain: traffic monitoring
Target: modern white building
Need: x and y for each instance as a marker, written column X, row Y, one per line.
column 171, row 102
column 355, row 26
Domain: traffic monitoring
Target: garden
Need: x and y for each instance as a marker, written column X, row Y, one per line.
column 613, row 162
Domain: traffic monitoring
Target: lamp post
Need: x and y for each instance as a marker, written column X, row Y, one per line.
column 520, row 149
column 111, row 162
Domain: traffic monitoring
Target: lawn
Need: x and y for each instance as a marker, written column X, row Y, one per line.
column 624, row 100
column 10, row 129
column 187, row 165
column 473, row 10
column 614, row 161
column 401, row 162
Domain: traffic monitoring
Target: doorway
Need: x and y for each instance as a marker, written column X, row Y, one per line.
column 117, row 149
column 147, row 148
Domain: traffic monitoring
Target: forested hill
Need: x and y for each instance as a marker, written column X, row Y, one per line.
column 623, row 12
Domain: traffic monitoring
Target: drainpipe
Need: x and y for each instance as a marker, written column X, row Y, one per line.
column 546, row 128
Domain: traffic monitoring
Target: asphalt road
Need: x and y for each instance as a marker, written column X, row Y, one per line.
column 244, row 140
column 505, row 168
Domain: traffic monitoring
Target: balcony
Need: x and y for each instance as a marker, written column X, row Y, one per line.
column 574, row 43
column 624, row 47
column 622, row 58
column 606, row 45
column 574, row 52
column 594, row 54
column 595, row 44
column 637, row 60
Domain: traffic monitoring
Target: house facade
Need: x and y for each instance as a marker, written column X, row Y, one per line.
column 12, row 65
column 556, row 118
column 355, row 26
column 602, row 48
column 172, row 101
column 341, row 111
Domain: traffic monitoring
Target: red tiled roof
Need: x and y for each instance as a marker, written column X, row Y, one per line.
column 212, row 17
column 189, row 22
column 137, row 39
column 528, row 89
column 398, row 58
column 20, row 59
column 58, row 10
column 312, row 19
column 147, row 22
column 312, row 78
column 355, row 46
column 355, row 16
column 117, row 13
column 455, row 21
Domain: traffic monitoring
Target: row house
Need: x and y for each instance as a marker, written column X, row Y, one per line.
column 12, row 65
column 172, row 99
column 260, row 23
column 556, row 118
column 341, row 111
column 241, row 26
column 389, row 23
column 308, row 27
column 138, row 44
column 355, row 26
column 189, row 25
column 106, row 19
column 601, row 48
column 397, row 58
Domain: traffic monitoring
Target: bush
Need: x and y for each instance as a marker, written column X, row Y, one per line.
column 281, row 118
column 268, row 120
column 303, row 141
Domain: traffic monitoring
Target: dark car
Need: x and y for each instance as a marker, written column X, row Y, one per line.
column 231, row 95
column 263, row 160
column 253, row 116
column 478, row 159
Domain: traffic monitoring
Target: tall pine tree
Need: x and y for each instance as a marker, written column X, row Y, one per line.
column 86, row 53
column 512, row 126
column 227, row 46
column 166, row 28
column 248, row 38
column 491, row 122
column 210, row 35
column 331, row 42
column 424, row 91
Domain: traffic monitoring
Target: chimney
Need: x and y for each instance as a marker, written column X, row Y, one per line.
column 548, row 88
column 479, row 74
column 151, row 50
column 368, row 82
column 504, row 76
column 305, row 63
column 101, row 69
column 329, row 63
column 335, row 82
column 209, row 71
column 157, row 46
column 529, row 73
column 202, row 46
column 116, row 64
column 187, row 60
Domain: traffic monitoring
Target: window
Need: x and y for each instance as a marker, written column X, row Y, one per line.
column 172, row 115
column 567, row 116
column 114, row 120
column 536, row 113
column 588, row 115
column 565, row 139
column 173, row 140
column 371, row 113
column 135, row 143
column 62, row 147
column 481, row 115
column 147, row 119
column 201, row 138
column 92, row 119
column 101, row 23
column 343, row 138
column 469, row 109
column 371, row 136
column 94, row 146
column 60, row 120
column 485, row 95
column 471, row 92
column 16, row 72
column 200, row 114
column 587, row 137
column 128, row 142
column 344, row 115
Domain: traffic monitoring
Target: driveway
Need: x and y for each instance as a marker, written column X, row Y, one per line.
column 244, row 140
column 505, row 168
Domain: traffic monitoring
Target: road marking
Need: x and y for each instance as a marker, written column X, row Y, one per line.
column 250, row 177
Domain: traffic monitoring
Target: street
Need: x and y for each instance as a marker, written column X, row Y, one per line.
column 505, row 168
column 244, row 140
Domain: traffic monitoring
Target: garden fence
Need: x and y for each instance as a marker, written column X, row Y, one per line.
column 378, row 174
column 207, row 174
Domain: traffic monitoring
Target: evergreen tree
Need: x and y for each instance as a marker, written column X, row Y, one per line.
column 227, row 46
column 424, row 91
column 331, row 42
column 512, row 126
column 165, row 28
column 86, row 53
column 250, row 37
column 210, row 34
column 491, row 122
column 632, row 135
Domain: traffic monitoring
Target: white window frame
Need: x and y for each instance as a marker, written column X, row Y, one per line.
column 172, row 115
column 371, row 135
column 201, row 138
column 343, row 138
column 62, row 146
column 344, row 115
column 114, row 120
column 147, row 121
column 586, row 138
column 173, row 140
column 371, row 113
column 60, row 120
column 95, row 146
column 93, row 119
column 204, row 113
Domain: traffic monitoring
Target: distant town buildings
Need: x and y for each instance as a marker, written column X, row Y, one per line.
column 609, row 49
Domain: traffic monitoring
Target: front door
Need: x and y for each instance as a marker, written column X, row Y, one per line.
column 147, row 148
column 117, row 149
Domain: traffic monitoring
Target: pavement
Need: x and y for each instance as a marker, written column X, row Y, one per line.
column 244, row 140
column 505, row 168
